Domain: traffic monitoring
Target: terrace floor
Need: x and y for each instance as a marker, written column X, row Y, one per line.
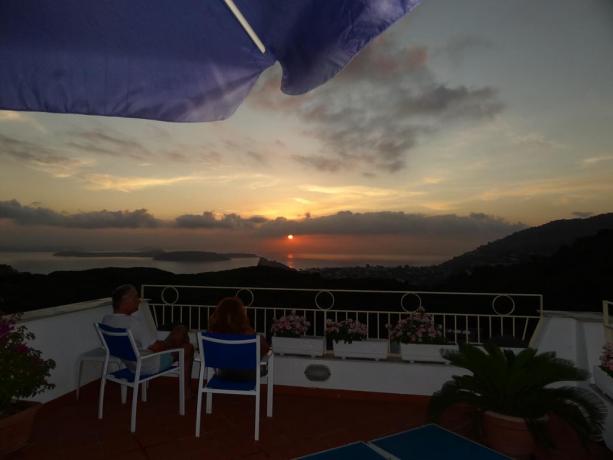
column 304, row 421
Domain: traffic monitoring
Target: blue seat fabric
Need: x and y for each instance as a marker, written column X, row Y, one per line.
column 224, row 356
column 119, row 346
column 127, row 374
column 224, row 384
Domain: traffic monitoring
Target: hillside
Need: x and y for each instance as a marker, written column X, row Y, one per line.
column 522, row 246
column 576, row 277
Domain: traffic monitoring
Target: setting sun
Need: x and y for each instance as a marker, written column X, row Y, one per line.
column 290, row 237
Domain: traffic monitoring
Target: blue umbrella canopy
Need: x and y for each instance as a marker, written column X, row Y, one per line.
column 184, row 61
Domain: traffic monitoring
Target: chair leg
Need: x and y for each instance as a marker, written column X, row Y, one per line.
column 209, row 403
column 209, row 396
column 199, row 405
column 257, row 415
column 143, row 389
column 78, row 377
column 182, row 382
column 101, row 396
column 134, row 403
column 198, row 413
column 270, row 383
column 124, row 393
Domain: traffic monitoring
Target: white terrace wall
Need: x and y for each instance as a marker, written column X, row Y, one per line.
column 576, row 336
column 62, row 334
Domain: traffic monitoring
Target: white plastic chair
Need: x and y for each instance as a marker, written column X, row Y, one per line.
column 120, row 343
column 96, row 355
column 236, row 352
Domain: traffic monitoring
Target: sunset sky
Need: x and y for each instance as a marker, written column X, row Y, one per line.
column 464, row 122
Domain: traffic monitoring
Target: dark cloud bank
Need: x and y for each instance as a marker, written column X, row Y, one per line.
column 341, row 223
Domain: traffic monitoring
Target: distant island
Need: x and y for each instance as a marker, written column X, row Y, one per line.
column 176, row 256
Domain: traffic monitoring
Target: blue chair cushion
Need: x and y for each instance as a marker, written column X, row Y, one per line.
column 128, row 375
column 223, row 384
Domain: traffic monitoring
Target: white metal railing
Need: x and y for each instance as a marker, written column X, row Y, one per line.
column 512, row 316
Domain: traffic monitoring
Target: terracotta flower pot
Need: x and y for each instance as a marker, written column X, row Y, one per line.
column 15, row 429
column 508, row 435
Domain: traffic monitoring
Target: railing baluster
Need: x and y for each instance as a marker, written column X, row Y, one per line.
column 155, row 315
column 455, row 328
column 478, row 329
column 445, row 325
column 466, row 331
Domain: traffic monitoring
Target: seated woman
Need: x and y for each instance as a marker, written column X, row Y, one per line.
column 230, row 317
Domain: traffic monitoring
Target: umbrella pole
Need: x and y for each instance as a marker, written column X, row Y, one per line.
column 245, row 25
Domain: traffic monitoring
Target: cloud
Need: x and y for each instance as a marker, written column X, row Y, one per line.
column 349, row 191
column 34, row 216
column 596, row 160
column 130, row 184
column 377, row 109
column 475, row 225
column 40, row 157
column 11, row 115
column 582, row 214
column 458, row 47
column 396, row 223
column 208, row 220
column 103, row 141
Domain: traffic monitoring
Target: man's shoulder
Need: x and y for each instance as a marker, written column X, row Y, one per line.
column 117, row 320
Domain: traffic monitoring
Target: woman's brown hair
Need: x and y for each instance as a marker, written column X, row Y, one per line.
column 230, row 317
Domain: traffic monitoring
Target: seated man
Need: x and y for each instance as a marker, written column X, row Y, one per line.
column 126, row 315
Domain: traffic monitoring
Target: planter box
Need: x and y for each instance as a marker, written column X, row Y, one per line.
column 603, row 381
column 307, row 346
column 424, row 352
column 15, row 429
column 371, row 349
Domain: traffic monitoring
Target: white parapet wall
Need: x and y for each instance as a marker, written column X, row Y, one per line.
column 63, row 333
column 387, row 376
column 576, row 336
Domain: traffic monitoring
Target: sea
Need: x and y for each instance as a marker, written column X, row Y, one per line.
column 47, row 262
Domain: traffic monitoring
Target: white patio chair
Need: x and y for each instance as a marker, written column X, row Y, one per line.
column 120, row 343
column 236, row 352
column 95, row 355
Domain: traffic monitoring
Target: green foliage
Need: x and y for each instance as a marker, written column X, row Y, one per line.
column 24, row 372
column 520, row 386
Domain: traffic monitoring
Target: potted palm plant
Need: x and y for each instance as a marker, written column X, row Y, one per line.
column 513, row 393
column 23, row 375
column 288, row 337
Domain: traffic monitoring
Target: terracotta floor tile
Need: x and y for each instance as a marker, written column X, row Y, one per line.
column 304, row 422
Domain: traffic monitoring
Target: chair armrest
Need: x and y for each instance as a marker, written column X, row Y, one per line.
column 264, row 359
column 171, row 350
